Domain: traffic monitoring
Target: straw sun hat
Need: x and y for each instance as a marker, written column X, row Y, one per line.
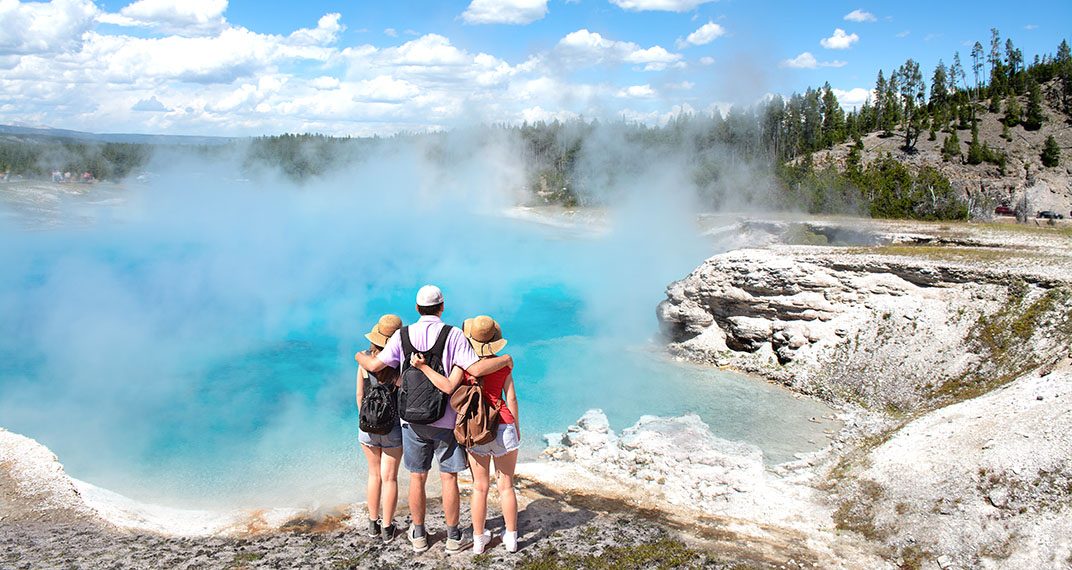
column 484, row 334
column 384, row 329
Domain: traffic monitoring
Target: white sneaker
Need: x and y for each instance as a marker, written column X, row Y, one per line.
column 480, row 541
column 509, row 539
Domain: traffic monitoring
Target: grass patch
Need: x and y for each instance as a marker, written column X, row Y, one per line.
column 858, row 512
column 351, row 562
column 1003, row 340
column 1028, row 228
column 799, row 234
column 915, row 558
column 953, row 253
column 243, row 558
column 664, row 553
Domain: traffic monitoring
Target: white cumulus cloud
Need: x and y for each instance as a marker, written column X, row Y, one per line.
column 385, row 89
column 860, row 16
column 183, row 17
column 662, row 5
column 637, row 91
column 707, row 33
column 852, row 98
column 44, row 28
column 151, row 104
column 840, row 40
column 504, row 11
column 590, row 48
column 325, row 83
column 807, row 61
column 326, row 32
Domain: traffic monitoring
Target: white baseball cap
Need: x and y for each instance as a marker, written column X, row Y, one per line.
column 429, row 295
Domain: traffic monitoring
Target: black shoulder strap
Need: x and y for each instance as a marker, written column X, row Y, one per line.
column 441, row 341
column 407, row 349
column 371, row 379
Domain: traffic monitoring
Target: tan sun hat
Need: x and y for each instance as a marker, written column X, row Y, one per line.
column 384, row 329
column 484, row 334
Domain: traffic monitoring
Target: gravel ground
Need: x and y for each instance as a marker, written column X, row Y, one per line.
column 556, row 531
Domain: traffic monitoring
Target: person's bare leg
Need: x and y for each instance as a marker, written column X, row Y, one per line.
column 478, row 504
column 417, row 497
column 389, row 476
column 372, row 487
column 451, row 498
column 505, row 466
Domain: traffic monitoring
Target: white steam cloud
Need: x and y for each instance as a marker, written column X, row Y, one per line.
column 206, row 320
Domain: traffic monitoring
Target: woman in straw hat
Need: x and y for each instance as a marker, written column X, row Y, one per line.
column 383, row 452
column 486, row 337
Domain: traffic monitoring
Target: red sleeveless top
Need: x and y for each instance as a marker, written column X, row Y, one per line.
column 493, row 389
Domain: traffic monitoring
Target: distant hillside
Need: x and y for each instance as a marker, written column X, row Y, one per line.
column 68, row 135
column 1015, row 172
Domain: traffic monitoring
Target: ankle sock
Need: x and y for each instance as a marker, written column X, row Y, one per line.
column 418, row 530
column 453, row 533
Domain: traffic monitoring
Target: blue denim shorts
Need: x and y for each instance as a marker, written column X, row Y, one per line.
column 420, row 443
column 388, row 440
column 506, row 440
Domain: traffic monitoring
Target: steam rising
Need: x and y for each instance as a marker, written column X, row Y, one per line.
column 197, row 339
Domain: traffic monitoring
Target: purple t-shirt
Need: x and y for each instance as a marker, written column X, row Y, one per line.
column 422, row 334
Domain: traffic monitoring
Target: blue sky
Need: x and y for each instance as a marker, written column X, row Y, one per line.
column 213, row 67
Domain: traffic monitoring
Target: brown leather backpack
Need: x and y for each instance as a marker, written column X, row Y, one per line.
column 478, row 420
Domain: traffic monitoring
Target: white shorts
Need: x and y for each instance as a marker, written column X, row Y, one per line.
column 506, row 440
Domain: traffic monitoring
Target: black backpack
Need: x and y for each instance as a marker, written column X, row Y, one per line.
column 378, row 412
column 419, row 401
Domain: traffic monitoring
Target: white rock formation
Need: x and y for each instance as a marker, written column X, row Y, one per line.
column 879, row 331
column 986, row 482
column 677, row 464
column 33, row 485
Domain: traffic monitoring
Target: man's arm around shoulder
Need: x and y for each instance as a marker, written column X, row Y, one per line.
column 369, row 362
column 486, row 366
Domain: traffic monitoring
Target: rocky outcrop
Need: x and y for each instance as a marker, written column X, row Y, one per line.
column 678, row 458
column 985, row 483
column 677, row 465
column 886, row 326
column 964, row 334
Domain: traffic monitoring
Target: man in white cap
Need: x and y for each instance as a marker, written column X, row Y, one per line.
column 421, row 442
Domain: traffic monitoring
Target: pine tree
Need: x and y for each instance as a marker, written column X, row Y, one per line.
column 891, row 109
column 977, row 66
column 956, row 73
column 1051, row 153
column 1034, row 117
column 912, row 88
column 1063, row 63
column 939, row 86
column 880, row 101
column 997, row 69
column 833, row 118
column 951, row 147
column 975, row 151
column 1015, row 59
column 1012, row 111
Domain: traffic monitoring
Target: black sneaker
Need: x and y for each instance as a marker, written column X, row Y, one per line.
column 388, row 533
column 373, row 528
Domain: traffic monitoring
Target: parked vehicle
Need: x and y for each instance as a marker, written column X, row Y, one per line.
column 1049, row 215
column 1004, row 211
